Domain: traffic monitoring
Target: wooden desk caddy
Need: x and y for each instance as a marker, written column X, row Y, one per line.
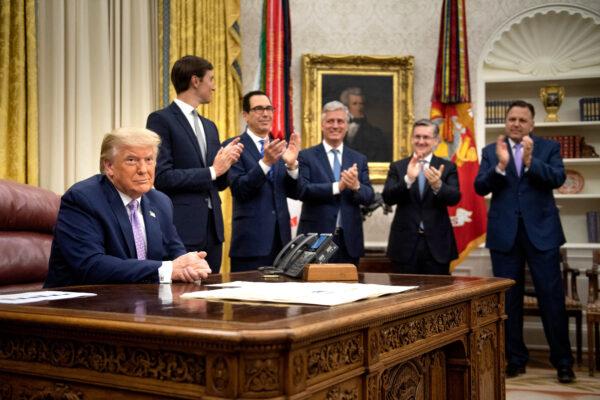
column 330, row 272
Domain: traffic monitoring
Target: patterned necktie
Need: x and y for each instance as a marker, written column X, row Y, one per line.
column 518, row 156
column 422, row 177
column 199, row 135
column 337, row 166
column 136, row 226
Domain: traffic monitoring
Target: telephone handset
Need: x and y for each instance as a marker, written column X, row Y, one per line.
column 304, row 249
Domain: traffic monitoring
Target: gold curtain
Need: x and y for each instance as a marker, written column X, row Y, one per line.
column 209, row 29
column 18, row 92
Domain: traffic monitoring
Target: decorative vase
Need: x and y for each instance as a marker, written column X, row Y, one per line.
column 552, row 98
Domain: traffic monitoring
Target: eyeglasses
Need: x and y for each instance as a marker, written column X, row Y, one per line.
column 261, row 109
column 425, row 138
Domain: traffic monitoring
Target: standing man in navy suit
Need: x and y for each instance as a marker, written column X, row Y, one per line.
column 520, row 171
column 114, row 228
column 422, row 187
column 334, row 182
column 262, row 179
column 192, row 166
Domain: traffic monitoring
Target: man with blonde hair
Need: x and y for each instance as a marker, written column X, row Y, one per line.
column 115, row 228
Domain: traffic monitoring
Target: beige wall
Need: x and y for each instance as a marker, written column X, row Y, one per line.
column 379, row 27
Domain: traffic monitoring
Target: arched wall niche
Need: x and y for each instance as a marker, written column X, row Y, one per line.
column 551, row 41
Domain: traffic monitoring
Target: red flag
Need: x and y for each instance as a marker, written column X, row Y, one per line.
column 451, row 109
column 276, row 53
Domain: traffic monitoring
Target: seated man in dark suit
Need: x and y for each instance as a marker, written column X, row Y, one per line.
column 422, row 186
column 333, row 183
column 115, row 228
column 261, row 180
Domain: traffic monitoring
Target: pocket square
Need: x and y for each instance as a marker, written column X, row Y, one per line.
column 152, row 214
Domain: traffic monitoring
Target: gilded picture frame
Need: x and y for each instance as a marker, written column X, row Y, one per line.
column 386, row 86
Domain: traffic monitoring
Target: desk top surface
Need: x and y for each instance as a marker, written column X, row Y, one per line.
column 145, row 309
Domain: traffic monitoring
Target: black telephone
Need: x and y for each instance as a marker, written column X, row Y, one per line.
column 304, row 249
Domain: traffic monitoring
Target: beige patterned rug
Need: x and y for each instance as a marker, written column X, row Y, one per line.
column 541, row 383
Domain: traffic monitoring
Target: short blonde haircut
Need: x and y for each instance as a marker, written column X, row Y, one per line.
column 126, row 136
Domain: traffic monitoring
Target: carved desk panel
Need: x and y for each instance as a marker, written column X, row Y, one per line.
column 443, row 340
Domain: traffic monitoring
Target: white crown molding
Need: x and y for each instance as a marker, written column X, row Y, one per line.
column 552, row 41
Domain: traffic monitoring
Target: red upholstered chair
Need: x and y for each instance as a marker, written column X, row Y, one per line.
column 27, row 218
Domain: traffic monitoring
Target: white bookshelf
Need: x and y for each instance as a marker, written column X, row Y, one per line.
column 515, row 66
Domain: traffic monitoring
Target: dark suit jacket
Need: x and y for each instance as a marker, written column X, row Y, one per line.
column 529, row 195
column 259, row 203
column 93, row 240
column 411, row 209
column 181, row 174
column 319, row 205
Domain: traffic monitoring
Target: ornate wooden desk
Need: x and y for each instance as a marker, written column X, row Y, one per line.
column 444, row 340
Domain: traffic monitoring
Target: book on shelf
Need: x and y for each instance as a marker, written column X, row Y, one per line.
column 570, row 146
column 589, row 109
column 495, row 111
column 593, row 226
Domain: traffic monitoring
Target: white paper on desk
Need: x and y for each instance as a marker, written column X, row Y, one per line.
column 45, row 295
column 319, row 293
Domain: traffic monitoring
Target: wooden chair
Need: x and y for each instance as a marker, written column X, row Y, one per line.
column 593, row 315
column 572, row 302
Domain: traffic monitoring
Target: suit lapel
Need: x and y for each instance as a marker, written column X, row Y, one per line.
column 347, row 159
column 153, row 231
column 322, row 157
column 249, row 146
column 212, row 140
column 185, row 125
column 414, row 188
column 116, row 205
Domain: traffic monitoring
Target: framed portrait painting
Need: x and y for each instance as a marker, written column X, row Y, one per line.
column 378, row 92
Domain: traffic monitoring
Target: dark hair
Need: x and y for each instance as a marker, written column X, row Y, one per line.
column 429, row 123
column 248, row 96
column 185, row 68
column 521, row 104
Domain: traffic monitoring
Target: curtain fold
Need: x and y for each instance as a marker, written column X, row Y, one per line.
column 97, row 64
column 208, row 29
column 18, row 92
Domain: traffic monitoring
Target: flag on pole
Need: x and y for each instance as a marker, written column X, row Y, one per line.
column 451, row 109
column 276, row 56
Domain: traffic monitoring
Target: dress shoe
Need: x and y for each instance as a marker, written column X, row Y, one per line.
column 513, row 370
column 565, row 374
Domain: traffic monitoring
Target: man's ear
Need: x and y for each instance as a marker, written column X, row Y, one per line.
column 108, row 168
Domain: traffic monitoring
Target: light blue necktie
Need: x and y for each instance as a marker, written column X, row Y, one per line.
column 337, row 166
column 422, row 177
column 262, row 153
column 337, row 173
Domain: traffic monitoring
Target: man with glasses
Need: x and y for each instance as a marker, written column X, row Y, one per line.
column 191, row 167
column 260, row 181
column 422, row 186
